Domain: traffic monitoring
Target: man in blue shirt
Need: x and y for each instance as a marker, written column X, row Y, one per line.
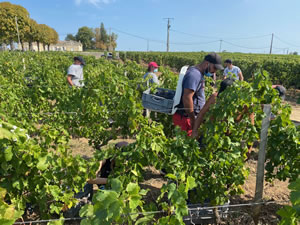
column 193, row 96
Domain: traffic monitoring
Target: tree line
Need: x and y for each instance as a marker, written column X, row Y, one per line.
column 15, row 16
column 97, row 38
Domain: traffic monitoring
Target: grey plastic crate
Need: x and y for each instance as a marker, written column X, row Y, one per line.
column 162, row 101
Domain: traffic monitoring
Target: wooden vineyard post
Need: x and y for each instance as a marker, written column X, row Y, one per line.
column 261, row 162
column 148, row 113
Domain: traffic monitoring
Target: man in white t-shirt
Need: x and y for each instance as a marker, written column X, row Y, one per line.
column 232, row 71
column 75, row 72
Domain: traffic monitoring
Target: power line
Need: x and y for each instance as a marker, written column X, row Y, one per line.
column 227, row 38
column 240, row 46
column 217, row 39
column 253, row 37
column 194, row 35
column 140, row 37
column 281, row 48
column 163, row 42
column 191, row 43
column 288, row 43
column 195, row 43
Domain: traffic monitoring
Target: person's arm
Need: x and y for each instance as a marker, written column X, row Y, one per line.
column 69, row 79
column 252, row 118
column 188, row 104
column 201, row 115
column 241, row 114
column 241, row 76
column 98, row 180
column 155, row 79
column 224, row 75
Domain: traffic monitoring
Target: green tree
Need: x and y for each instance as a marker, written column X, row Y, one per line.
column 98, row 43
column 39, row 38
column 113, row 40
column 103, row 40
column 9, row 14
column 103, row 34
column 53, row 37
column 32, row 35
column 70, row 37
column 43, row 36
column 46, row 36
column 86, row 36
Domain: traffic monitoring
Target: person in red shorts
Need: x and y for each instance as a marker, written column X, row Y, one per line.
column 193, row 96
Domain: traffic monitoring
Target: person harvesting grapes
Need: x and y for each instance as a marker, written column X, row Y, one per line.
column 193, row 96
column 151, row 73
column 75, row 72
column 232, row 71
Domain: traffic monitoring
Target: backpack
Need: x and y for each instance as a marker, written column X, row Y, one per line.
column 180, row 106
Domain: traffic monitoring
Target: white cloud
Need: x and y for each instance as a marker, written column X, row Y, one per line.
column 96, row 3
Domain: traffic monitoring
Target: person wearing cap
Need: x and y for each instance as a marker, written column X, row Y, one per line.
column 75, row 72
column 151, row 73
column 281, row 92
column 232, row 71
column 193, row 96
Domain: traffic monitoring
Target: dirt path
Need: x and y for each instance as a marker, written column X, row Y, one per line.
column 293, row 98
column 295, row 115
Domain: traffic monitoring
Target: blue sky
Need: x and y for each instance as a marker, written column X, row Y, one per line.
column 243, row 25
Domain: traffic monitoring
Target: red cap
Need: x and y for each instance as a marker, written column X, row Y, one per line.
column 154, row 64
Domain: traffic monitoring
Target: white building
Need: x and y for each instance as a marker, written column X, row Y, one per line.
column 69, row 46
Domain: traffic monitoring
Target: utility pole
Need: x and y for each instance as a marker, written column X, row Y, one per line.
column 109, row 39
column 168, row 31
column 147, row 45
column 271, row 44
column 220, row 45
column 18, row 32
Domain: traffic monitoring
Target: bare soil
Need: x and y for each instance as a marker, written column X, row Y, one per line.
column 293, row 98
column 275, row 191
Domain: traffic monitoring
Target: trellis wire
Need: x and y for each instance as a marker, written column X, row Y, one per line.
column 157, row 212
